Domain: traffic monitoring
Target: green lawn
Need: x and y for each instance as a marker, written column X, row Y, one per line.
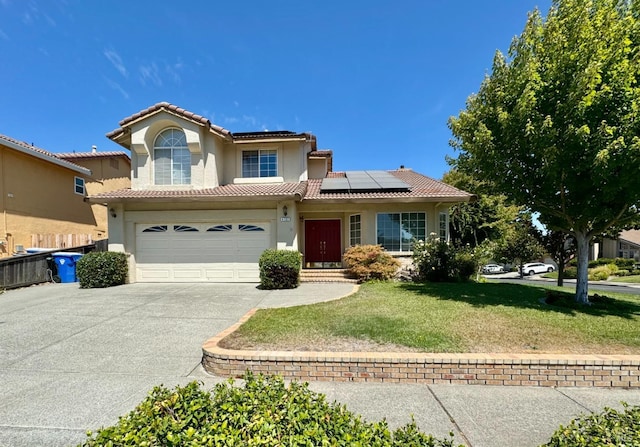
column 466, row 317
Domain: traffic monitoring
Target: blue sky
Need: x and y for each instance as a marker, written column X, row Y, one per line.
column 375, row 81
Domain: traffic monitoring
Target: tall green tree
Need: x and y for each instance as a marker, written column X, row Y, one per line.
column 489, row 217
column 555, row 125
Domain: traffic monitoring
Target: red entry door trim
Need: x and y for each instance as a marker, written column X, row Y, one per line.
column 322, row 241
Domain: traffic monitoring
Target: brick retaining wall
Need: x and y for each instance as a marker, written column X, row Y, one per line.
column 481, row 369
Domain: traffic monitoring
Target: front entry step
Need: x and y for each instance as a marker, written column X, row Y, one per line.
column 326, row 275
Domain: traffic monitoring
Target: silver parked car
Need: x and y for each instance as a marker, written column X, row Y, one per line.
column 532, row 268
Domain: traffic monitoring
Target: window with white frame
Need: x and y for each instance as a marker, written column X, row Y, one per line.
column 397, row 231
column 355, row 227
column 78, row 186
column 443, row 227
column 260, row 163
column 171, row 158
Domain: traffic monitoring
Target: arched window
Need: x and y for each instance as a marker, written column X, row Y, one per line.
column 171, row 158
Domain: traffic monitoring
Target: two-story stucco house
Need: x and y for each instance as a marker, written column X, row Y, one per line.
column 205, row 202
column 42, row 196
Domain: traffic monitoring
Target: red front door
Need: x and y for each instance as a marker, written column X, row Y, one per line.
column 322, row 242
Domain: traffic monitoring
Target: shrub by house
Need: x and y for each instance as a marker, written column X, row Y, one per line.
column 102, row 269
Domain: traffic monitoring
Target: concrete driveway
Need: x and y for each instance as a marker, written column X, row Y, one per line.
column 73, row 360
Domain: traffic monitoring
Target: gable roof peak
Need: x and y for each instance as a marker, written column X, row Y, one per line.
column 170, row 108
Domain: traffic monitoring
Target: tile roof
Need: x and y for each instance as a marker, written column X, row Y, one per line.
column 42, row 154
column 171, row 108
column 323, row 153
column 203, row 121
column 422, row 187
column 231, row 191
column 85, row 155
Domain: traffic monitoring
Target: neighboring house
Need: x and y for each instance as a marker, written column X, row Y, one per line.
column 43, row 200
column 205, row 202
column 110, row 170
column 627, row 245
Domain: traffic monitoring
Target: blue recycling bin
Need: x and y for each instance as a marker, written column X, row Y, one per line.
column 66, row 263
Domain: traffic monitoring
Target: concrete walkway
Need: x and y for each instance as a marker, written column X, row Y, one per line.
column 73, row 360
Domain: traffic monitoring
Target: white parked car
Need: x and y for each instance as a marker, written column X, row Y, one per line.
column 492, row 268
column 532, row 268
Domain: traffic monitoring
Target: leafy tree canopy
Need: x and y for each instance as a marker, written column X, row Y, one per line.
column 489, row 217
column 556, row 125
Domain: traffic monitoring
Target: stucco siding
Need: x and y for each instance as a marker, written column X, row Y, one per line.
column 39, row 198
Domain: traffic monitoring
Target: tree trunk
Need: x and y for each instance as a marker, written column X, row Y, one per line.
column 582, row 283
column 521, row 269
column 561, row 271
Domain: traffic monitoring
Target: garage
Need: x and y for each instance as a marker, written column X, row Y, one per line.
column 200, row 252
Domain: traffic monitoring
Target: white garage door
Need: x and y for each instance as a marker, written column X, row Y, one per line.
column 187, row 252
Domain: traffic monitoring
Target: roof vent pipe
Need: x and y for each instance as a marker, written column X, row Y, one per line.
column 94, row 149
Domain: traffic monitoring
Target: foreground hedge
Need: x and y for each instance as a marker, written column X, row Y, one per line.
column 280, row 269
column 263, row 412
column 102, row 269
column 609, row 428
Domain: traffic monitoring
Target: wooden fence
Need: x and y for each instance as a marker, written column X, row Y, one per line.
column 29, row 269
column 60, row 241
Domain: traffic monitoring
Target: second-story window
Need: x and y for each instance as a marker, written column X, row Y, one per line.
column 260, row 163
column 171, row 158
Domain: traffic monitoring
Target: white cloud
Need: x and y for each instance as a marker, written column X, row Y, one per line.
column 250, row 120
column 173, row 71
column 116, row 61
column 115, row 86
column 149, row 73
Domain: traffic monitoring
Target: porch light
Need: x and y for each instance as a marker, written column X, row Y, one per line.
column 113, row 212
column 285, row 210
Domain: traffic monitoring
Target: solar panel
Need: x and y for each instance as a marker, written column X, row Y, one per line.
column 364, row 181
column 388, row 181
column 334, row 185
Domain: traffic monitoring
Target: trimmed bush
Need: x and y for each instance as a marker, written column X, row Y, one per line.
column 602, row 273
column 370, row 262
column 264, row 411
column 280, row 269
column 571, row 272
column 100, row 269
column 609, row 428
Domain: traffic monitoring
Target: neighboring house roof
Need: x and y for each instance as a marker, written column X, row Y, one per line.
column 631, row 236
column 421, row 188
column 277, row 191
column 90, row 155
column 37, row 152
